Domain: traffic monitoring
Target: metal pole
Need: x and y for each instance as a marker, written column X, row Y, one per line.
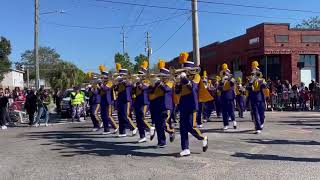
column 28, row 78
column 36, row 46
column 148, row 48
column 123, row 41
column 266, row 67
column 195, row 33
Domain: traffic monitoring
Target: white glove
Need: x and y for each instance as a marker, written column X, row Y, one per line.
column 183, row 75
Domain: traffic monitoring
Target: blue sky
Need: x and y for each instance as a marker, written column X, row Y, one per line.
column 90, row 47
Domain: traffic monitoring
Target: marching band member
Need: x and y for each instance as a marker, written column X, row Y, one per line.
column 94, row 102
column 217, row 96
column 227, row 97
column 210, row 104
column 240, row 97
column 188, row 105
column 107, row 96
column 201, row 105
column 161, row 97
column 256, row 88
column 124, row 101
column 141, row 104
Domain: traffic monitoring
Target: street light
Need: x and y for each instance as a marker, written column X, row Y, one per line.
column 36, row 37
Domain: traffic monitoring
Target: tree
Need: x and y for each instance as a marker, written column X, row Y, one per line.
column 47, row 58
column 139, row 60
column 5, row 51
column 66, row 75
column 59, row 73
column 124, row 60
column 311, row 23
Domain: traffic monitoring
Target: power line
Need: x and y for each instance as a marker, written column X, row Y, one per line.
column 173, row 34
column 256, row 7
column 137, row 19
column 111, row 27
column 186, row 9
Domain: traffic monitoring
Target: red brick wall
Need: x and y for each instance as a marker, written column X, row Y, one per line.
column 239, row 47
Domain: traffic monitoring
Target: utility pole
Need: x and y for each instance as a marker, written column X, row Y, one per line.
column 148, row 49
column 36, row 41
column 195, row 33
column 123, row 34
column 28, row 74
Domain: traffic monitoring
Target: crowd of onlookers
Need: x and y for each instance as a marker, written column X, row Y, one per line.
column 17, row 101
column 284, row 96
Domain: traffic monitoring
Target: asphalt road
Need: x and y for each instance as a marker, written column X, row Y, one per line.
column 288, row 149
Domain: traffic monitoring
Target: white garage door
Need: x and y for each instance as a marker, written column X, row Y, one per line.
column 306, row 76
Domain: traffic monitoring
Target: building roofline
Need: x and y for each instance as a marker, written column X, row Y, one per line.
column 16, row 70
column 269, row 23
column 304, row 29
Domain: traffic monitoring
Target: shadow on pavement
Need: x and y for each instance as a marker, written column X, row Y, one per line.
column 231, row 131
column 73, row 143
column 287, row 142
column 271, row 157
column 301, row 122
column 302, row 117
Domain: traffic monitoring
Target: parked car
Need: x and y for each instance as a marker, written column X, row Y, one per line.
column 66, row 109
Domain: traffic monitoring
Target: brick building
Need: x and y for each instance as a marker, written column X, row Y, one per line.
column 290, row 54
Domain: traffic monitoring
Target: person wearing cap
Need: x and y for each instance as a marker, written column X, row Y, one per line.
column 107, row 96
column 124, row 102
column 188, row 105
column 217, row 96
column 94, row 102
column 256, row 97
column 31, row 105
column 209, row 106
column 141, row 103
column 227, row 97
column 240, row 97
column 162, row 105
column 77, row 99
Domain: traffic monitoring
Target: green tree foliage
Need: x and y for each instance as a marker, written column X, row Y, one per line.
column 47, row 58
column 124, row 60
column 311, row 23
column 59, row 73
column 138, row 61
column 5, row 51
column 66, row 75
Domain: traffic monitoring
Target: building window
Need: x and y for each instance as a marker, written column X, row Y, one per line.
column 282, row 38
column 273, row 69
column 236, row 65
column 311, row 38
column 254, row 41
column 308, row 72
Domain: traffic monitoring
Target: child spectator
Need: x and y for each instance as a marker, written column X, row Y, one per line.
column 305, row 97
column 294, row 95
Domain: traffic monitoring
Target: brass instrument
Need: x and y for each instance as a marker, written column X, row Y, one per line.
column 188, row 71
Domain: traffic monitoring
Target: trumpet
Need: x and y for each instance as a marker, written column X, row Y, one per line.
column 188, row 71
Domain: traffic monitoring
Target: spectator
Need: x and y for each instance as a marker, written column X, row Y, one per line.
column 31, row 105
column 279, row 88
column 3, row 109
column 43, row 100
column 305, row 97
column 294, row 95
column 57, row 97
column 312, row 86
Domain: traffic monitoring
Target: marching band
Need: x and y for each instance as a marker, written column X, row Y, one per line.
column 164, row 93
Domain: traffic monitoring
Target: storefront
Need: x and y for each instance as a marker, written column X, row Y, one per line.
column 283, row 53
